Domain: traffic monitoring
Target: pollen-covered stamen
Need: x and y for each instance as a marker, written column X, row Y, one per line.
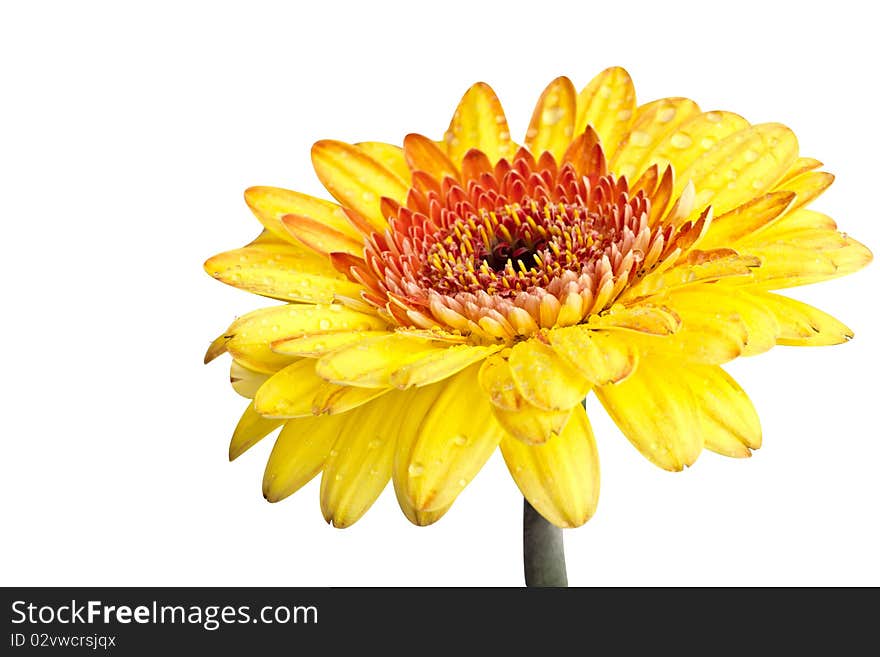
column 522, row 245
column 527, row 245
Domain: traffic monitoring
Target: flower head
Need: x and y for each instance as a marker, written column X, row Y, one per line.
column 468, row 293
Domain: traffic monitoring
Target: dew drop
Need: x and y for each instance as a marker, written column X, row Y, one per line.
column 757, row 183
column 416, row 469
column 373, row 444
column 680, row 140
column 338, row 477
column 500, row 118
column 333, row 452
column 665, row 115
column 552, row 115
column 324, row 324
column 462, row 482
column 639, row 138
column 335, row 307
column 706, row 143
column 374, row 472
column 461, row 441
column 714, row 117
column 750, row 155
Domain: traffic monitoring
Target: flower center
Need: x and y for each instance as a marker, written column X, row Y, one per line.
column 522, row 246
column 504, row 250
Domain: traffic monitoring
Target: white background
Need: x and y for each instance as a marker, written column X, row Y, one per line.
column 128, row 134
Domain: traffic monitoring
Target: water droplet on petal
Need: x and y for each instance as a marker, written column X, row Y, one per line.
column 665, row 115
column 552, row 115
column 460, row 440
column 416, row 469
column 324, row 324
column 639, row 138
column 680, row 140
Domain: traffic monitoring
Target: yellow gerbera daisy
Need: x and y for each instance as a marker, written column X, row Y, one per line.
column 467, row 294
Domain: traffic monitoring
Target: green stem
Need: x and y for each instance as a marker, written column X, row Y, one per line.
column 543, row 554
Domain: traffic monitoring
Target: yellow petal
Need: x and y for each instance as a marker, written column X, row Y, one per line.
column 560, row 478
column 216, row 348
column 519, row 418
column 281, row 271
column 251, row 429
column 289, row 392
column 728, row 421
column 355, row 179
column 655, row 410
column 389, row 156
column 270, row 204
column 807, row 186
column 318, row 344
column 641, row 318
column 440, row 364
column 791, row 222
column 299, row 454
column 807, row 256
column 359, row 465
column 296, row 391
column 552, row 125
column 416, row 517
column 423, row 154
column 699, row 266
column 250, row 337
column 757, row 214
column 453, row 441
column 370, row 363
column 602, row 357
column 801, row 324
column 691, row 139
column 799, row 166
column 478, row 122
column 741, row 166
column 607, row 103
column 651, row 124
column 530, row 424
column 544, row 379
column 244, row 380
column 719, row 324
column 321, row 238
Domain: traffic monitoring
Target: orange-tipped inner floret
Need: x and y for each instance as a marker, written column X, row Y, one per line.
column 509, row 249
